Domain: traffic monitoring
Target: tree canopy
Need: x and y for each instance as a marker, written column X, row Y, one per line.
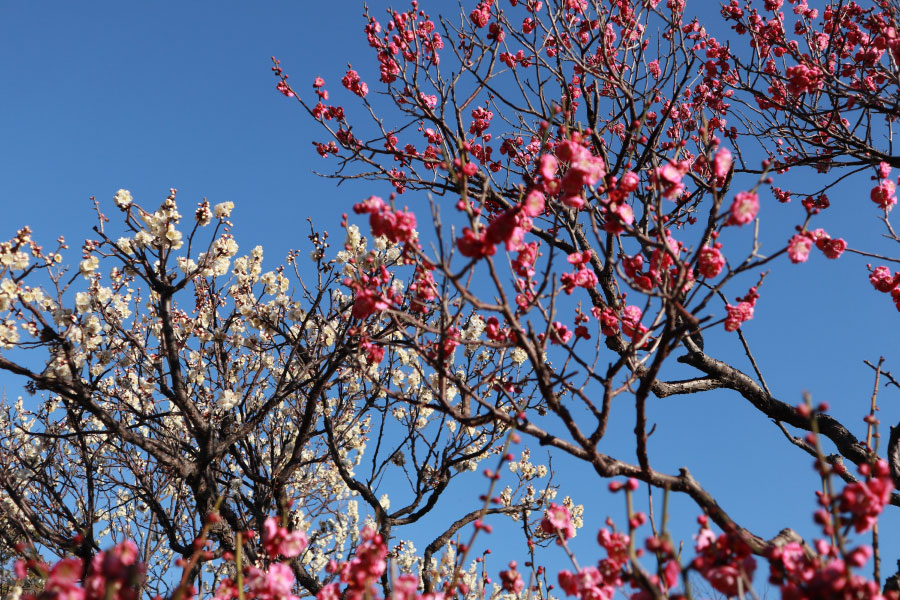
column 573, row 223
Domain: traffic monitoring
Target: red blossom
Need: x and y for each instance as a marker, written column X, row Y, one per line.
column 278, row 541
column 511, row 580
column 864, row 500
column 710, row 261
column 725, row 562
column 882, row 280
column 475, row 245
column 352, row 82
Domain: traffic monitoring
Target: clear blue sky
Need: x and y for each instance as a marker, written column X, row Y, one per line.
column 104, row 95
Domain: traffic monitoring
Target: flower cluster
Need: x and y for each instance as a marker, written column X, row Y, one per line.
column 557, row 521
column 352, row 82
column 278, row 541
column 360, row 573
column 801, row 243
column 742, row 311
column 583, row 276
column 884, row 193
column 508, row 228
column 395, row 225
column 114, row 574
column 822, row 577
column 725, row 561
column 584, row 170
column 668, row 179
column 710, row 261
column 862, row 501
column 803, row 79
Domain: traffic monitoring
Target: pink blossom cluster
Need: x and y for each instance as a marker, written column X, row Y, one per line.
column 282, row 85
column 512, row 60
column 274, row 583
column 374, row 352
column 630, row 322
column 406, row 587
column 278, row 541
column 882, row 280
column 710, row 261
column 441, row 349
column 481, row 14
column 369, row 294
column 609, row 321
column 495, row 333
column 408, row 35
column 325, row 149
column 617, row 212
column 722, row 163
column 508, row 228
column 397, row 226
column 813, row 204
column 584, row 169
column 511, row 579
column 664, row 264
column 798, row 247
column 323, row 112
column 884, row 193
column 602, row 581
column 831, row 247
column 352, row 82
column 559, row 333
column 583, row 276
column 803, row 79
column 724, row 561
column 361, row 572
column 523, row 265
column 475, row 244
column 114, row 574
column 668, row 178
column 823, row 577
column 589, row 583
column 481, row 120
column 423, row 287
column 557, row 522
column 801, row 243
column 742, row 311
column 862, row 501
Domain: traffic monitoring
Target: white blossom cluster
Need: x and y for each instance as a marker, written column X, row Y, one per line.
column 169, row 336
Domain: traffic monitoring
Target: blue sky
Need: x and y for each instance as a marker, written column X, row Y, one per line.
column 106, row 95
column 180, row 95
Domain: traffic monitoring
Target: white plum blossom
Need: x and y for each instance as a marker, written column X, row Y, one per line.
column 124, row 245
column 82, row 302
column 123, row 199
column 87, row 266
column 518, row 356
column 222, row 210
column 228, row 399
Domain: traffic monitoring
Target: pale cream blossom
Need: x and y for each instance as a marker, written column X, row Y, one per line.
column 124, row 245
column 87, row 266
column 222, row 210
column 123, row 199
